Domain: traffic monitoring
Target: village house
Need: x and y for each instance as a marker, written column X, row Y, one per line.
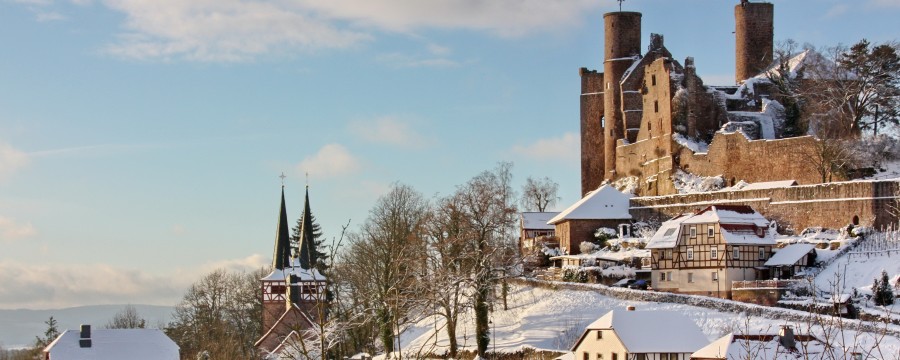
column 112, row 344
column 785, row 345
column 703, row 252
column 534, row 231
column 605, row 207
column 639, row 335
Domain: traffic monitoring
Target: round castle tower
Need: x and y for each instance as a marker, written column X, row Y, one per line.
column 754, row 31
column 622, row 42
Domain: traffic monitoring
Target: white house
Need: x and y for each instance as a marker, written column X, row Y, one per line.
column 639, row 335
column 784, row 345
column 112, row 344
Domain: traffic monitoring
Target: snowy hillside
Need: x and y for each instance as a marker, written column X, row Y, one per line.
column 546, row 319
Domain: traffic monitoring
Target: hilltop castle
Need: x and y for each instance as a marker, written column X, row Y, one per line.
column 647, row 117
column 649, row 124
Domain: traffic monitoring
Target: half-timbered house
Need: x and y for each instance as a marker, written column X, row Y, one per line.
column 639, row 335
column 703, row 252
column 534, row 231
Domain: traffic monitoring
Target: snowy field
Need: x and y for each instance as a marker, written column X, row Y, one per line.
column 544, row 319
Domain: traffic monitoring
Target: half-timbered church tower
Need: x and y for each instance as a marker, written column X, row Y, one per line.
column 293, row 294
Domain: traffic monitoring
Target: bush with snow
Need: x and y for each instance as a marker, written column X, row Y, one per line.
column 687, row 183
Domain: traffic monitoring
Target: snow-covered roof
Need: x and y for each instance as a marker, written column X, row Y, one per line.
column 765, row 346
column 715, row 350
column 604, row 203
column 667, row 235
column 790, row 255
column 733, row 237
column 296, row 270
column 115, row 344
column 769, row 185
column 651, row 331
column 538, row 220
column 728, row 214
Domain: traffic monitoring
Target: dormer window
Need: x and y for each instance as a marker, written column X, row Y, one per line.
column 760, row 232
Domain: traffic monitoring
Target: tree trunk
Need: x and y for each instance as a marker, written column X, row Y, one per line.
column 482, row 331
column 386, row 331
column 451, row 334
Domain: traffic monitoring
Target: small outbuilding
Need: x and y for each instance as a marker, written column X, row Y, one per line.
column 791, row 260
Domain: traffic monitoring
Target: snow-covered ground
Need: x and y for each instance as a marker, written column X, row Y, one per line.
column 546, row 319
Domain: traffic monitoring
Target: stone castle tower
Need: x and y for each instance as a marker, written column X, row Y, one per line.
column 753, row 33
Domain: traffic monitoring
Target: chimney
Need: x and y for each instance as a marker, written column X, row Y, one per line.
column 786, row 337
column 85, row 340
column 629, row 308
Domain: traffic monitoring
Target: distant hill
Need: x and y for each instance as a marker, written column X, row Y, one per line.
column 19, row 327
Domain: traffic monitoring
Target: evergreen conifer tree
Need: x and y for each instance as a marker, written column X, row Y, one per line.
column 883, row 291
column 320, row 256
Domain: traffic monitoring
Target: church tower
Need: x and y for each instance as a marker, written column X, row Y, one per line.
column 274, row 286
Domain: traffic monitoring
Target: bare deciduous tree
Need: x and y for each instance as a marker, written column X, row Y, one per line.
column 127, row 318
column 538, row 194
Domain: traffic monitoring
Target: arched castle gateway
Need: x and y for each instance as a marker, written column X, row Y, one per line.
column 648, row 122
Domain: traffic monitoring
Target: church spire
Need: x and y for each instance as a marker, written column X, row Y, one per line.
column 282, row 256
column 306, row 241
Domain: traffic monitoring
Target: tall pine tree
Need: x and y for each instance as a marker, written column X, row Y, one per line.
column 307, row 240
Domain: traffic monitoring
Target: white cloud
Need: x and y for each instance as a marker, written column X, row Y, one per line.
column 11, row 230
column 565, row 149
column 388, row 130
column 45, row 16
column 501, row 17
column 222, row 30
column 42, row 286
column 836, row 11
column 11, row 160
column 886, row 3
column 332, row 160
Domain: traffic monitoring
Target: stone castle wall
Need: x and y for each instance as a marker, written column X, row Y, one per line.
column 736, row 158
column 832, row 205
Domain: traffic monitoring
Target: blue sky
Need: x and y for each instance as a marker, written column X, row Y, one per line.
column 141, row 140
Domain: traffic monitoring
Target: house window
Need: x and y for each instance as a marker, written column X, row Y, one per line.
column 693, row 231
column 615, row 356
column 690, row 277
column 715, row 276
column 599, row 356
column 760, row 232
column 714, row 253
column 669, row 254
column 662, row 276
column 762, row 253
column 690, row 254
column 668, row 276
column 664, row 356
column 640, row 356
column 709, row 231
column 586, row 356
column 599, row 334
column 736, row 252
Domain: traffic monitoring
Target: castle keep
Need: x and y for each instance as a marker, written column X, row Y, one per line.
column 648, row 122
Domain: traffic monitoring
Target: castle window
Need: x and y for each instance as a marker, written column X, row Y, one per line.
column 603, row 121
column 656, row 106
column 648, row 126
column 653, row 80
